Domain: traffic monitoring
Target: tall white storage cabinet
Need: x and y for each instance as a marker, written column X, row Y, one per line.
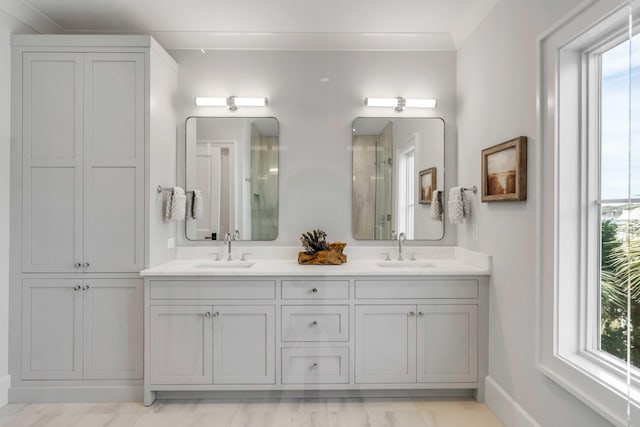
column 81, row 197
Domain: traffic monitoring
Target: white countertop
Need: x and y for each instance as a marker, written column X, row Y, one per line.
column 465, row 263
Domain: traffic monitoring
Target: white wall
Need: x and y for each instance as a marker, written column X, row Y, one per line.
column 8, row 26
column 315, row 117
column 497, row 101
column 162, row 155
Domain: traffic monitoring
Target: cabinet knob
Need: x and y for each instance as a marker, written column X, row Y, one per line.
column 77, row 265
column 420, row 313
column 86, row 264
column 314, row 366
column 314, row 290
column 77, row 288
column 207, row 314
column 314, row 323
column 84, row 288
column 216, row 314
column 412, row 313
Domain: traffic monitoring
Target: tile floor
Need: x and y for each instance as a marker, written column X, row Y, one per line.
column 254, row 413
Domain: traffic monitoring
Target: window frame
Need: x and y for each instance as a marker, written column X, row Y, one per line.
column 568, row 308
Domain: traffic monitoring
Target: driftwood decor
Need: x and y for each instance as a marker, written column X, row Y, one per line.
column 332, row 255
column 317, row 251
column 504, row 171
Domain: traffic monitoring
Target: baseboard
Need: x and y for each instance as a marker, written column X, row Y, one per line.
column 75, row 394
column 5, row 383
column 449, row 394
column 506, row 408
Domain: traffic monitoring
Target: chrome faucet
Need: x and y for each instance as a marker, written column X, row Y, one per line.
column 227, row 240
column 402, row 238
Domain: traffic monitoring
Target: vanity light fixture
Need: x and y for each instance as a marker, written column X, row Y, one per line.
column 399, row 104
column 231, row 102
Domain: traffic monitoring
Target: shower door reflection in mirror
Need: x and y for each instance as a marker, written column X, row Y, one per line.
column 233, row 161
column 388, row 156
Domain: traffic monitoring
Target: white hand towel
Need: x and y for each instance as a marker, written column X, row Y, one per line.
column 436, row 206
column 197, row 207
column 459, row 206
column 176, row 205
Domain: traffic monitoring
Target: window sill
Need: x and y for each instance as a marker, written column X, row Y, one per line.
column 599, row 387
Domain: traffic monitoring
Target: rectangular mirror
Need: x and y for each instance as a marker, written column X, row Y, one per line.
column 397, row 164
column 233, row 161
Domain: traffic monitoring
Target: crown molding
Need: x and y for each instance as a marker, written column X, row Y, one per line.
column 30, row 16
column 306, row 41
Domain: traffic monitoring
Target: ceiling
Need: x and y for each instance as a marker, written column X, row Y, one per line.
column 260, row 24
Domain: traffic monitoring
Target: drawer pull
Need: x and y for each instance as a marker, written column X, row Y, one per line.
column 314, row 290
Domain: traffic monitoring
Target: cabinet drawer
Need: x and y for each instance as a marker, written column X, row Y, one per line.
column 315, row 323
column 408, row 289
column 315, row 289
column 315, row 365
column 212, row 289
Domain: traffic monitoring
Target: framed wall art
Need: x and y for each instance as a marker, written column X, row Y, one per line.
column 427, row 182
column 504, row 171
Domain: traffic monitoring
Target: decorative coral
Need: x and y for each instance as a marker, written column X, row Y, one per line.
column 314, row 241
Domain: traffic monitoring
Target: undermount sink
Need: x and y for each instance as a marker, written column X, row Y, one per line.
column 404, row 264
column 225, row 264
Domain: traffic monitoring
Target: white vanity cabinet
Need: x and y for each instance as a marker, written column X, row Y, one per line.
column 82, row 329
column 83, row 161
column 212, row 344
column 252, row 332
column 409, row 343
column 432, row 342
column 385, row 344
column 180, row 345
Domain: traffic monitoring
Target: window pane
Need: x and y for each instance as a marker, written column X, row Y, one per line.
column 619, row 268
column 615, row 123
column 620, row 179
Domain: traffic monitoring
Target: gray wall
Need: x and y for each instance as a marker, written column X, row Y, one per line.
column 497, row 79
column 315, row 117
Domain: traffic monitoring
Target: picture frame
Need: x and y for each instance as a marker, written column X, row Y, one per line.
column 504, row 171
column 426, row 185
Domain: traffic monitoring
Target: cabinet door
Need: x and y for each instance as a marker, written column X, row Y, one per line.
column 244, row 345
column 180, row 341
column 114, row 118
column 385, row 344
column 113, row 328
column 447, row 343
column 51, row 329
column 52, row 162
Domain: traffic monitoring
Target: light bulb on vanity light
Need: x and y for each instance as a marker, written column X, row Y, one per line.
column 231, row 102
column 399, row 103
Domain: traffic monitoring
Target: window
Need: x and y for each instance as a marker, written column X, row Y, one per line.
column 619, row 203
column 589, row 190
column 406, row 188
